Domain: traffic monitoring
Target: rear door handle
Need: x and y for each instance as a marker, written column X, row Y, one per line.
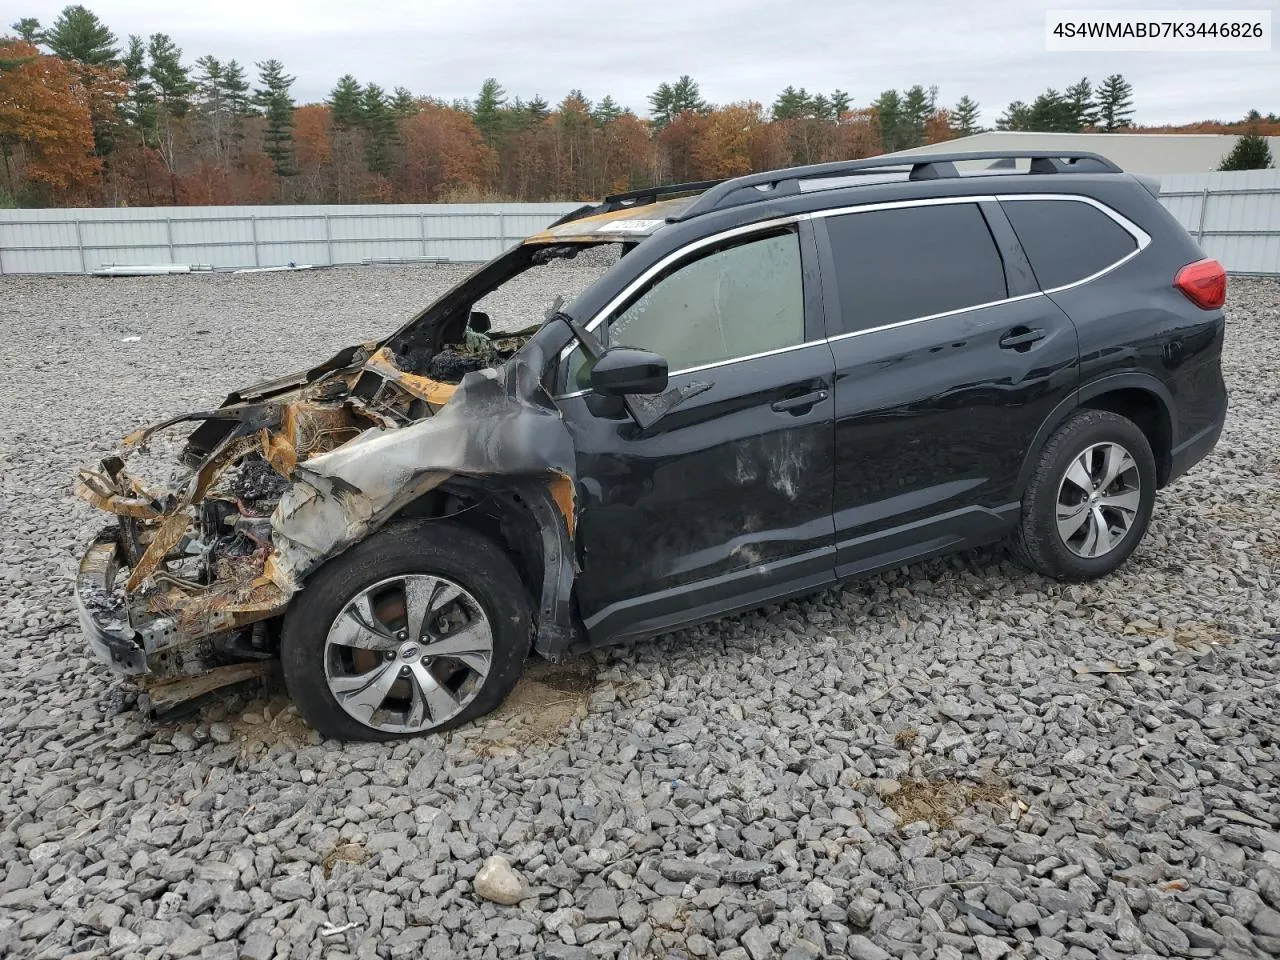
column 801, row 404
column 1020, row 338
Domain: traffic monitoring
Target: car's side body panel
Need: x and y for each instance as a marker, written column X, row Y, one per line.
column 729, row 495
column 722, row 497
column 1137, row 331
column 934, row 416
column 936, row 426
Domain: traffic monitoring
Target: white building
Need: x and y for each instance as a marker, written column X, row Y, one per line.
column 1154, row 153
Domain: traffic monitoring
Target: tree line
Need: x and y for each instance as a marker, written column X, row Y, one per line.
column 86, row 118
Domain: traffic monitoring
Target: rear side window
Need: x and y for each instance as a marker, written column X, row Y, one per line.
column 1067, row 240
column 902, row 264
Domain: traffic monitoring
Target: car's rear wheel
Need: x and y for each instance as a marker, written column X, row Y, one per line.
column 420, row 628
column 1089, row 500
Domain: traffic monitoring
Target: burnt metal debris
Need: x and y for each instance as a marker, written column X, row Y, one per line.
column 288, row 474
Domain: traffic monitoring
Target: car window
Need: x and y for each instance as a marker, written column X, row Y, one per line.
column 1067, row 240
column 735, row 302
column 910, row 262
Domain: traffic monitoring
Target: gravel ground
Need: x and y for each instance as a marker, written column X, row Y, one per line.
column 955, row 759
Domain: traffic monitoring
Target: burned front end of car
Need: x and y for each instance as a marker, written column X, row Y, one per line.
column 188, row 575
column 184, row 589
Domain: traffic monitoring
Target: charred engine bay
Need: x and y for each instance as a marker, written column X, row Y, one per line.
column 476, row 352
column 194, row 564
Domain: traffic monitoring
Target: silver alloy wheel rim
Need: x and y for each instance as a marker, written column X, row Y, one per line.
column 408, row 654
column 1098, row 500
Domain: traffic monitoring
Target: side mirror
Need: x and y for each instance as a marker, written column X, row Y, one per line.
column 479, row 322
column 627, row 370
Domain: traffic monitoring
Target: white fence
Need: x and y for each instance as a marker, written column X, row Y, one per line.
column 1235, row 216
column 84, row 240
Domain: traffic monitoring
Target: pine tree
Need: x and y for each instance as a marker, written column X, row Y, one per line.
column 138, row 108
column 1017, row 116
column 687, row 96
column 379, row 124
column 1084, row 113
column 79, row 35
column 537, row 109
column 236, row 87
column 277, row 139
column 208, row 83
column 487, row 112
column 1115, row 103
column 888, row 107
column 792, row 104
column 1251, row 152
column 660, row 106
column 606, row 111
column 917, row 107
column 172, row 80
column 172, row 84
column 344, row 102
column 840, row 102
column 964, row 118
column 1051, row 113
column 28, row 29
column 221, row 104
column 579, row 101
column 404, row 103
column 672, row 99
column 211, row 101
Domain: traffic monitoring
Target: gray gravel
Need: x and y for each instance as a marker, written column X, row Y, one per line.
column 910, row 766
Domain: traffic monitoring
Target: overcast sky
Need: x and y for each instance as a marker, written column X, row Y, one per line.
column 992, row 50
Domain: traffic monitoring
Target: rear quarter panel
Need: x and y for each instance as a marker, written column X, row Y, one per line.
column 1134, row 321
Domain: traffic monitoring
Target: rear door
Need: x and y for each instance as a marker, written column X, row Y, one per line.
column 725, row 501
column 948, row 360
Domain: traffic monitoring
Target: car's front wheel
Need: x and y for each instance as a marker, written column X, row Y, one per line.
column 419, row 628
column 1089, row 499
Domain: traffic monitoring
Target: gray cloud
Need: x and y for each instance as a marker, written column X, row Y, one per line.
column 992, row 50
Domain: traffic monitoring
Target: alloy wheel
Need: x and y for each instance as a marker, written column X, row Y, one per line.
column 1098, row 500
column 408, row 654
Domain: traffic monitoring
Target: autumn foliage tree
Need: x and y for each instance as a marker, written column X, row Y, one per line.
column 87, row 117
column 443, row 151
column 46, row 132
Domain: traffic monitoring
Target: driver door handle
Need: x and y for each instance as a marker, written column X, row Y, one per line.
column 1021, row 338
column 799, row 404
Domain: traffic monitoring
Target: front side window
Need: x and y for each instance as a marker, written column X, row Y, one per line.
column 735, row 302
column 912, row 262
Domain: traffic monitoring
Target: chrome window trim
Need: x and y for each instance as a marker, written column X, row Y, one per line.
column 674, row 256
column 935, row 316
column 1140, row 236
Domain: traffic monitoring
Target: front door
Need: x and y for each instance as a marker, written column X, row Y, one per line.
column 948, row 360
column 725, row 502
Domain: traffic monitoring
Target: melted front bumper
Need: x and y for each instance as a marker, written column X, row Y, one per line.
column 105, row 624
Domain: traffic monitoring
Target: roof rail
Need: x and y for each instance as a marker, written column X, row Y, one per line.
column 645, row 195
column 756, row 187
column 635, row 198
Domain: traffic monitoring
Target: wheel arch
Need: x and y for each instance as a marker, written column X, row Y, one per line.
column 525, row 520
column 1139, row 397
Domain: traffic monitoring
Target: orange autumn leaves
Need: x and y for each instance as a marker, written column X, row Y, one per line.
column 46, row 126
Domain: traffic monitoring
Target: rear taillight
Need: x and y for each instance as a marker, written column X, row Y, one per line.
column 1204, row 283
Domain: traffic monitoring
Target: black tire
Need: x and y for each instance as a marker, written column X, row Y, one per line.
column 1037, row 543
column 432, row 547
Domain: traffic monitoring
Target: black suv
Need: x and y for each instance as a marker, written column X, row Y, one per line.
column 785, row 380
